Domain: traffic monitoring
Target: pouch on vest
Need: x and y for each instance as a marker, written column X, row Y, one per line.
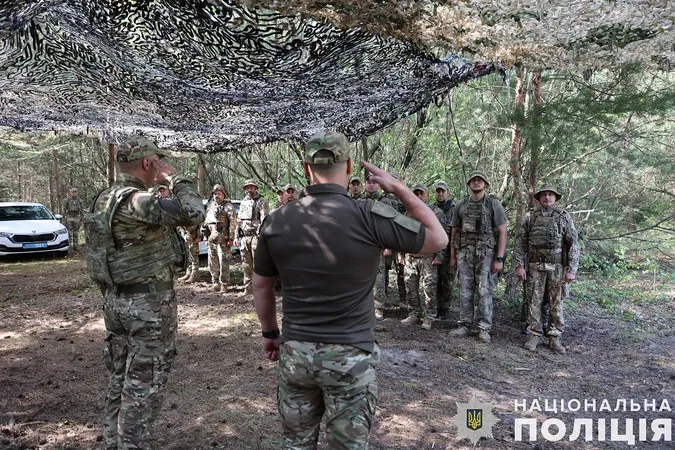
column 99, row 237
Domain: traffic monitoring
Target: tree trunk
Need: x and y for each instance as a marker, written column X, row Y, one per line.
column 18, row 171
column 57, row 185
column 413, row 138
column 535, row 147
column 516, row 176
column 200, row 176
column 111, row 164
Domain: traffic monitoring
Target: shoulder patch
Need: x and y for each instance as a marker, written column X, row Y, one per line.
column 408, row 223
column 384, row 210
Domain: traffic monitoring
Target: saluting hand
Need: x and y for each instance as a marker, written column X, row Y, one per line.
column 382, row 177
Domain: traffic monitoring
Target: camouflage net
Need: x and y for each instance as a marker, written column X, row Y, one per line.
column 206, row 75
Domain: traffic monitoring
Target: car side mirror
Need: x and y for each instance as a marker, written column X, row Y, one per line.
column 58, row 216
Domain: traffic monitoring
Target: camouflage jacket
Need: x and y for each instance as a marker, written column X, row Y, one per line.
column 564, row 232
column 358, row 196
column 252, row 212
column 376, row 196
column 190, row 234
column 448, row 209
column 394, row 202
column 142, row 217
column 221, row 219
column 277, row 205
column 443, row 254
column 73, row 208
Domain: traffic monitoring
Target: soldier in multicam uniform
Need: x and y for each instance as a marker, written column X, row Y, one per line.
column 252, row 211
column 372, row 189
column 221, row 224
column 193, row 237
column 355, row 189
column 393, row 258
column 446, row 277
column 548, row 239
column 132, row 248
column 372, row 192
column 73, row 211
column 421, row 268
column 282, row 199
column 477, row 248
column 328, row 353
column 291, row 191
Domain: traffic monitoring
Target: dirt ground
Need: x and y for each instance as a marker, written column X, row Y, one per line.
column 221, row 392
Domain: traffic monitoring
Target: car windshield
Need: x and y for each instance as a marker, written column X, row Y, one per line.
column 25, row 212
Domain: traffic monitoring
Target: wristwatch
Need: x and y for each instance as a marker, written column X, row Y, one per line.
column 271, row 334
column 499, row 259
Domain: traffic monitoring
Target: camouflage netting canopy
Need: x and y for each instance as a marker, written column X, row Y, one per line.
column 206, row 75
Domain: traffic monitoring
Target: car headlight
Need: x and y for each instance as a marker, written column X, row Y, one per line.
column 62, row 231
column 5, row 234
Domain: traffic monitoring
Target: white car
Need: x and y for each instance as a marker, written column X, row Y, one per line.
column 30, row 228
column 203, row 249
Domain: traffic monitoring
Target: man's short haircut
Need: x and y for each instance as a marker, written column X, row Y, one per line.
column 327, row 168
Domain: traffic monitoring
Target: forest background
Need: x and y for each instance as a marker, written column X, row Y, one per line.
column 605, row 138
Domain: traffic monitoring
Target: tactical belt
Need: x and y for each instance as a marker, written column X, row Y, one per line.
column 250, row 233
column 144, row 288
column 555, row 258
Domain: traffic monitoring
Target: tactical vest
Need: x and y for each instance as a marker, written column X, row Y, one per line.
column 73, row 207
column 545, row 237
column 477, row 223
column 249, row 217
column 213, row 217
column 110, row 262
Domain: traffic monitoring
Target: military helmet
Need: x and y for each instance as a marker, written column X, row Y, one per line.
column 479, row 174
column 250, row 182
column 550, row 188
column 218, row 187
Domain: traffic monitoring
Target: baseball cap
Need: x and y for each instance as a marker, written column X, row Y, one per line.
column 138, row 147
column 333, row 141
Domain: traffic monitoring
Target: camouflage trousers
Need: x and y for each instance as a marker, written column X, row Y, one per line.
column 446, row 278
column 247, row 246
column 332, row 379
column 475, row 276
column 194, row 255
column 73, row 226
column 220, row 256
column 420, row 271
column 140, row 349
column 545, row 278
column 386, row 264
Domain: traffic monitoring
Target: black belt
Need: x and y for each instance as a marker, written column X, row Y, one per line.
column 144, row 288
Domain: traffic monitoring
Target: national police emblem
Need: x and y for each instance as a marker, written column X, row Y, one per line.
column 474, row 420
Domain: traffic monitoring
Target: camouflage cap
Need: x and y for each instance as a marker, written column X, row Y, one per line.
column 218, row 187
column 420, row 187
column 441, row 185
column 353, row 179
column 250, row 182
column 138, row 147
column 479, row 174
column 550, row 188
column 333, row 141
column 280, row 189
column 290, row 186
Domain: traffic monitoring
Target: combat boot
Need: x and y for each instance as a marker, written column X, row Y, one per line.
column 188, row 272
column 532, row 342
column 556, row 346
column 411, row 320
column 459, row 332
column 426, row 323
column 193, row 278
column 379, row 315
column 215, row 287
column 484, row 336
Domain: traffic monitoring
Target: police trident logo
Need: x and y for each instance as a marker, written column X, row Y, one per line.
column 474, row 420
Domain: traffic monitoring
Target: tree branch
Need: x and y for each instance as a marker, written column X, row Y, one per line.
column 672, row 216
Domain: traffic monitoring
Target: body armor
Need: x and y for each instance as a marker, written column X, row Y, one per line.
column 73, row 207
column 477, row 225
column 545, row 237
column 112, row 262
column 249, row 215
